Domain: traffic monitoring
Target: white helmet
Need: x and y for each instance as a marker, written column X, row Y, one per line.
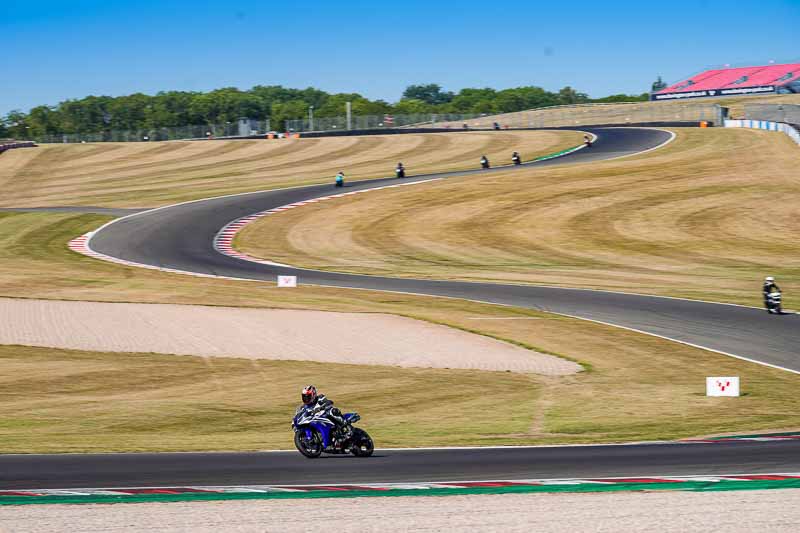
column 769, row 279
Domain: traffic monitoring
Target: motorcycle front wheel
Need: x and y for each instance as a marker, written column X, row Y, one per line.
column 311, row 448
column 362, row 445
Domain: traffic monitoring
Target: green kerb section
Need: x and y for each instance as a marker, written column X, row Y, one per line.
column 691, row 486
column 557, row 154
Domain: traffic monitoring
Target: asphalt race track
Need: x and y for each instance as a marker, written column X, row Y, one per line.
column 181, row 237
column 395, row 466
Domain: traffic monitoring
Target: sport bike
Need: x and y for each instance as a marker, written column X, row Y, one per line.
column 773, row 303
column 315, row 433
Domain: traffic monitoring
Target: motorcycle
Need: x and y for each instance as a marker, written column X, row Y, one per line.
column 773, row 303
column 484, row 163
column 339, row 181
column 315, row 433
column 400, row 172
column 588, row 143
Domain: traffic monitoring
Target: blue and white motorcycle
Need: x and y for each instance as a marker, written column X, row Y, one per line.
column 315, row 433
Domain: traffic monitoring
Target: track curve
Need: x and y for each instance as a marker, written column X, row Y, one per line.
column 181, row 237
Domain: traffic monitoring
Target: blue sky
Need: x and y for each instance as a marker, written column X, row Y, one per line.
column 57, row 50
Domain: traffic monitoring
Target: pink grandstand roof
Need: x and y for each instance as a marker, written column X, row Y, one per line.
column 737, row 77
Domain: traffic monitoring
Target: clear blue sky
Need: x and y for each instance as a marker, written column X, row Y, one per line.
column 54, row 50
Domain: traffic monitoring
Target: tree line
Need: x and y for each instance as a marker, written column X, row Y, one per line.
column 96, row 114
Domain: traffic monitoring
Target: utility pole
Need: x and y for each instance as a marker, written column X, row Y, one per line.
column 311, row 118
column 349, row 111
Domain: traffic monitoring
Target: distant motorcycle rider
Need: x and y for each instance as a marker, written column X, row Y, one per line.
column 400, row 171
column 769, row 287
column 340, row 179
column 587, row 140
column 313, row 400
column 516, row 159
column 484, row 162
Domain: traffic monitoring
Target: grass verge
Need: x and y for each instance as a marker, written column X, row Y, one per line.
column 635, row 387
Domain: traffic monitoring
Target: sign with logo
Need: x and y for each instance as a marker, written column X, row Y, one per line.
column 287, row 281
column 731, row 91
column 722, row 386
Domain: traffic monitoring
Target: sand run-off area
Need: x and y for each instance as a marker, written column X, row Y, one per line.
column 729, row 512
column 356, row 338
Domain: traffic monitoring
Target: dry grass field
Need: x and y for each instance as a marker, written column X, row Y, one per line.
column 706, row 217
column 510, row 226
column 154, row 174
column 634, row 387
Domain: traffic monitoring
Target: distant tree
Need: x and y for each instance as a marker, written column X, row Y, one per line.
column 658, row 85
column 568, row 95
column 283, row 111
column 473, row 101
column 622, row 98
column 430, row 94
column 97, row 114
column 411, row 106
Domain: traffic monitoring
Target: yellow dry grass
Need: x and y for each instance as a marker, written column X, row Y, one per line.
column 635, row 387
column 706, row 217
column 153, row 174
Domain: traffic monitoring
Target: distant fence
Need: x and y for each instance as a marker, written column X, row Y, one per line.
column 374, row 122
column 9, row 145
column 788, row 129
column 546, row 117
column 242, row 128
column 597, row 114
column 787, row 113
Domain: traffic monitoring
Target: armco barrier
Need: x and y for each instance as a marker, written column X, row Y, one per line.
column 766, row 125
column 18, row 144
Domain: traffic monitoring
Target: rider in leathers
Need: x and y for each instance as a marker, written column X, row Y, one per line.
column 769, row 287
column 313, row 400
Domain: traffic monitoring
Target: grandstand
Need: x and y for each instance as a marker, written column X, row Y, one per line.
column 783, row 78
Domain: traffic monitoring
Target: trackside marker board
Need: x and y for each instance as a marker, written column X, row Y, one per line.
column 722, row 386
column 287, row 281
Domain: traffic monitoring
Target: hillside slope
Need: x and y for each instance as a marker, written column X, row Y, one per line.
column 706, row 217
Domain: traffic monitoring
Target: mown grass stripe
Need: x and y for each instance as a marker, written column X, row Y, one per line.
column 691, row 486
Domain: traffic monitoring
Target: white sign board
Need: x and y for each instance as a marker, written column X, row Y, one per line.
column 287, row 281
column 722, row 386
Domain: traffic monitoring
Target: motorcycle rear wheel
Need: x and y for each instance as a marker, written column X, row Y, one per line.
column 311, row 449
column 362, row 445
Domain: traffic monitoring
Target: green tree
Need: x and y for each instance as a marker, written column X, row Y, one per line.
column 658, row 85
column 430, row 93
column 568, row 95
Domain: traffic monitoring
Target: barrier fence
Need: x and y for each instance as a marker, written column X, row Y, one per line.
column 372, row 122
column 788, row 129
column 547, row 117
column 9, row 145
column 787, row 113
column 241, row 128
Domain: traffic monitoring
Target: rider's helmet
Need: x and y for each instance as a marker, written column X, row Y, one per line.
column 769, row 279
column 309, row 395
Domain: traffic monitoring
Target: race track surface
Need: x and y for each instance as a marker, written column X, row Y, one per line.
column 181, row 237
column 395, row 466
